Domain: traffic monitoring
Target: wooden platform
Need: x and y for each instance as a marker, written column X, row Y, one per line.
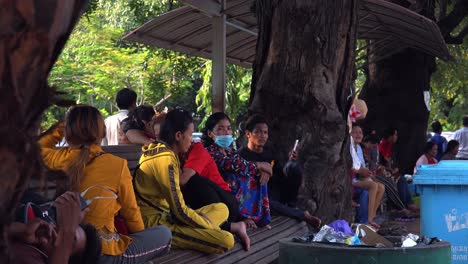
column 264, row 246
column 264, row 243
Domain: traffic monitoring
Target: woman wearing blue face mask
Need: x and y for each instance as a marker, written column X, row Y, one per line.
column 242, row 176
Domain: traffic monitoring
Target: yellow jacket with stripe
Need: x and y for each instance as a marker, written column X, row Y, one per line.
column 159, row 195
column 103, row 170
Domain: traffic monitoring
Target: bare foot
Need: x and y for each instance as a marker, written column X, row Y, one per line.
column 268, row 227
column 240, row 229
column 250, row 223
column 315, row 222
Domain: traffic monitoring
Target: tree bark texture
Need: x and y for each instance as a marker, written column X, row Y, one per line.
column 302, row 79
column 32, row 35
column 394, row 95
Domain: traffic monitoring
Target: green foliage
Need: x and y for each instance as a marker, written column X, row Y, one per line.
column 361, row 62
column 449, row 93
column 96, row 63
column 237, row 92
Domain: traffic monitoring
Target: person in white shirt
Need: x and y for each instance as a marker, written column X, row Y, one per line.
column 461, row 136
column 126, row 101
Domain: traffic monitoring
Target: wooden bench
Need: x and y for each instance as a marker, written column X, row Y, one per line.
column 264, row 243
column 131, row 153
column 47, row 188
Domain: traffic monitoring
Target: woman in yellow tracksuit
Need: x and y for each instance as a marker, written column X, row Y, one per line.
column 160, row 198
column 105, row 180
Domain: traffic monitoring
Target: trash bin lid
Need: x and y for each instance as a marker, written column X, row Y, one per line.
column 446, row 172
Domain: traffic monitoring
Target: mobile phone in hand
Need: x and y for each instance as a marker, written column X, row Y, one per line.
column 295, row 145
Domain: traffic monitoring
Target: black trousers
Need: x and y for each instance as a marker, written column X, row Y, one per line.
column 200, row 191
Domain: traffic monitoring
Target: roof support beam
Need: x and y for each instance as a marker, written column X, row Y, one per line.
column 218, row 70
column 210, row 7
column 234, row 25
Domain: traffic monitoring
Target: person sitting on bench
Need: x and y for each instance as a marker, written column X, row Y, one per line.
column 105, row 180
column 158, row 190
column 282, row 189
column 247, row 180
column 138, row 127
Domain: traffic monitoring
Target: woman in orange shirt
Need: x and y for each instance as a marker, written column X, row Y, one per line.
column 104, row 179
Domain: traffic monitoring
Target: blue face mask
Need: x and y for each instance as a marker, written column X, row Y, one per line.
column 224, row 141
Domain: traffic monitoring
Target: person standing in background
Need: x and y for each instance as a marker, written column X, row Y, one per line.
column 462, row 137
column 126, row 101
column 438, row 139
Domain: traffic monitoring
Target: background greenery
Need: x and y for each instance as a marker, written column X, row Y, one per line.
column 96, row 63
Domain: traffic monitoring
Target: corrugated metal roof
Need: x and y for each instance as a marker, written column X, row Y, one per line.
column 390, row 28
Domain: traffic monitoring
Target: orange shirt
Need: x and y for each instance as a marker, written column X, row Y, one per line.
column 104, row 170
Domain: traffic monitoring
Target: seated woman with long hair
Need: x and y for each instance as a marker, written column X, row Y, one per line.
column 157, row 186
column 242, row 176
column 138, row 126
column 105, row 180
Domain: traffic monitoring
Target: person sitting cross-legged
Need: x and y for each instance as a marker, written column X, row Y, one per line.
column 158, row 189
column 203, row 185
column 247, row 180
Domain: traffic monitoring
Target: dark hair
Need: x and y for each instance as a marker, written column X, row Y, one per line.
column 436, row 127
column 84, row 126
column 137, row 116
column 125, row 98
column 371, row 139
column 428, row 146
column 92, row 250
column 465, row 120
column 253, row 121
column 451, row 145
column 389, row 132
column 177, row 120
column 211, row 122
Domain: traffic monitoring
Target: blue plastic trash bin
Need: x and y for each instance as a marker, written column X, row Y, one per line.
column 444, row 204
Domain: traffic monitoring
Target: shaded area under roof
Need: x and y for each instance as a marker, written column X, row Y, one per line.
column 390, row 27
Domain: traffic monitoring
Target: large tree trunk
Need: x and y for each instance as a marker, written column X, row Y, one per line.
column 301, row 83
column 394, row 95
column 32, row 34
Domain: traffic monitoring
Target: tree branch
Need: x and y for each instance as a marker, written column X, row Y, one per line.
column 458, row 39
column 452, row 20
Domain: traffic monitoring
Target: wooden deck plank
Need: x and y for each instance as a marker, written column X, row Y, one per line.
column 268, row 249
column 186, row 256
column 264, row 246
column 264, row 243
column 256, row 235
column 265, row 240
